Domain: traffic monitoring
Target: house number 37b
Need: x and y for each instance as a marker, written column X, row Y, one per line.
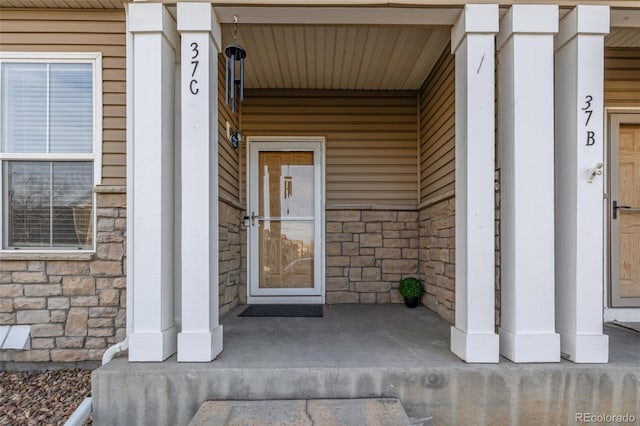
column 193, row 84
column 588, row 111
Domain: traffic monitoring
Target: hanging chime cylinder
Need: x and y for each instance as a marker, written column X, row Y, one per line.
column 234, row 75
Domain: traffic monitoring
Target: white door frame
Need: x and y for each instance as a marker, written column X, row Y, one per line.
column 316, row 294
column 613, row 118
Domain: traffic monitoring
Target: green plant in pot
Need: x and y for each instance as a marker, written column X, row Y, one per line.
column 411, row 289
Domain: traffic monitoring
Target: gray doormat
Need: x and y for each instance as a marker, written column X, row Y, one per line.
column 283, row 311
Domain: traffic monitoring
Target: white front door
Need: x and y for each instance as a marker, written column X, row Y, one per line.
column 285, row 226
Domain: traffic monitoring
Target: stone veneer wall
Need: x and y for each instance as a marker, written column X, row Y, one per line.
column 232, row 256
column 368, row 252
column 76, row 307
column 437, row 257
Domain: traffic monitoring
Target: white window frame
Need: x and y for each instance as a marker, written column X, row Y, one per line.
column 95, row 59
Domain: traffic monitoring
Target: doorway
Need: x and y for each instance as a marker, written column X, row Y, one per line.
column 624, row 210
column 285, row 220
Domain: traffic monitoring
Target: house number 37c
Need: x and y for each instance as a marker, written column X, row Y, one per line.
column 193, row 84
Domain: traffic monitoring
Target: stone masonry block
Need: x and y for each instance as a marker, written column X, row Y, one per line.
column 372, row 287
column 105, row 268
column 112, row 200
column 371, row 274
column 353, row 227
column 78, row 286
column 29, row 277
column 36, row 316
column 337, row 283
column 58, row 315
column 110, row 251
column 111, row 297
column 69, row 355
column 407, row 216
column 388, row 253
column 13, row 265
column 403, row 266
column 8, row 318
column 362, row 261
column 58, row 303
column 67, row 268
column 367, row 298
column 76, row 322
column 370, row 240
column 343, row 215
column 396, row 242
column 6, row 304
column 350, row 249
column 84, row 300
column 10, row 290
column 379, row 216
column 46, row 330
column 40, row 355
column 42, row 343
column 69, row 342
column 29, row 303
column 333, row 227
column 342, row 297
column 333, row 249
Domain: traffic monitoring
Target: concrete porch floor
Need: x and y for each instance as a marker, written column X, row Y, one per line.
column 364, row 351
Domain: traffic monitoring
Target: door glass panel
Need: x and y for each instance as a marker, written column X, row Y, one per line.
column 628, row 178
column 286, row 231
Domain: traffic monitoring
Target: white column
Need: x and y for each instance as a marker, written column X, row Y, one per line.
column 151, row 181
column 526, row 137
column 200, row 339
column 579, row 191
column 473, row 337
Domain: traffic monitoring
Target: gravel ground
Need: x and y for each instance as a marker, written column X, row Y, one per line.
column 41, row 397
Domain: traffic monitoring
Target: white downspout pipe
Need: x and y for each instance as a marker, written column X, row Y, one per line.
column 82, row 413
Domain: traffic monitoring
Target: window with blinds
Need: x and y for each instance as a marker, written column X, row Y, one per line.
column 46, row 147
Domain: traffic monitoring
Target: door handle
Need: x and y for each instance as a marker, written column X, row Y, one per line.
column 254, row 216
column 628, row 208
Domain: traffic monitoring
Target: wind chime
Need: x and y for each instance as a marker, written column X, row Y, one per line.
column 234, row 76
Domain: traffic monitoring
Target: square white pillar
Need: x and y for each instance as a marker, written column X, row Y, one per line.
column 200, row 339
column 526, row 138
column 579, row 81
column 473, row 337
column 151, row 182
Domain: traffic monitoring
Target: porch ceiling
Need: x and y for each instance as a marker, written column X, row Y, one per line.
column 338, row 57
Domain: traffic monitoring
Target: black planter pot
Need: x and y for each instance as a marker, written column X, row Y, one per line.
column 411, row 302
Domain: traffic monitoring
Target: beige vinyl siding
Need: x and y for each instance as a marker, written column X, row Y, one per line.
column 81, row 31
column 437, row 130
column 371, row 139
column 622, row 77
column 228, row 159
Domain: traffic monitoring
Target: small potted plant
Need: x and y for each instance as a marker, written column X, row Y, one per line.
column 411, row 289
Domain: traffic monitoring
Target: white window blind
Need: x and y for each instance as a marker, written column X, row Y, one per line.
column 47, row 111
column 47, row 108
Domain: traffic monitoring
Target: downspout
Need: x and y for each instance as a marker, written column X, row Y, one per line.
column 82, row 413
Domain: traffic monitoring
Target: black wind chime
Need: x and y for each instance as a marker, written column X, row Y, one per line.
column 234, row 76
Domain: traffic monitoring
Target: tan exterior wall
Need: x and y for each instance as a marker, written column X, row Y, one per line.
column 437, row 186
column 81, row 31
column 371, row 139
column 622, row 77
column 437, row 130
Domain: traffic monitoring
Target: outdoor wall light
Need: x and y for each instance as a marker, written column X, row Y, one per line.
column 234, row 75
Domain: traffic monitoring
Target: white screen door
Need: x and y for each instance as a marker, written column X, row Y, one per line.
column 285, row 260
column 625, row 210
